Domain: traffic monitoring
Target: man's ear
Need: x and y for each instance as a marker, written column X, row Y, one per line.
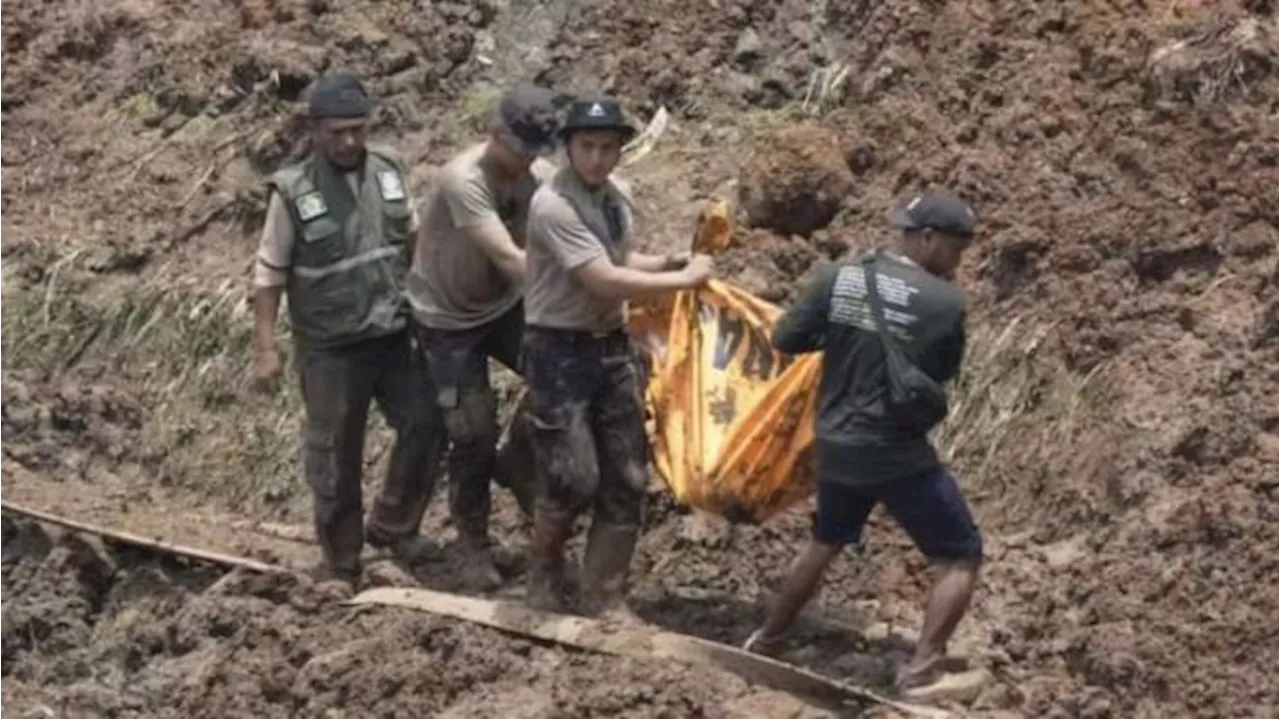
column 927, row 238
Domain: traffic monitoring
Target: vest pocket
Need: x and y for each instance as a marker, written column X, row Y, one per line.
column 334, row 306
column 322, row 240
column 395, row 221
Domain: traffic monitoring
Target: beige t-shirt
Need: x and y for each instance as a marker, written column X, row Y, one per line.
column 275, row 246
column 567, row 229
column 453, row 285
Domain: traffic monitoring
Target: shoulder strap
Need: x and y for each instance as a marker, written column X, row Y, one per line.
column 877, row 305
column 386, row 155
column 590, row 216
column 291, row 183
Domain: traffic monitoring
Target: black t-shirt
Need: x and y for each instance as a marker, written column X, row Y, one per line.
column 858, row 442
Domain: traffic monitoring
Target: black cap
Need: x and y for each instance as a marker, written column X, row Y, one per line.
column 941, row 211
column 597, row 112
column 338, row 95
column 526, row 119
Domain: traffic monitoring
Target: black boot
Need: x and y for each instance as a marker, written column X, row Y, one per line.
column 478, row 570
column 604, row 569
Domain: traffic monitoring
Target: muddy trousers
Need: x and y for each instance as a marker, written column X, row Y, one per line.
column 588, row 424
column 459, row 365
column 337, row 388
column 590, row 446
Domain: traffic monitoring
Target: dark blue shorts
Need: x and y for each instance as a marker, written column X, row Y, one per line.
column 928, row 506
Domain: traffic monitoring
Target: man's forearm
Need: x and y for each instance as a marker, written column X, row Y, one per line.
column 512, row 266
column 648, row 263
column 628, row 283
column 266, row 306
column 798, row 331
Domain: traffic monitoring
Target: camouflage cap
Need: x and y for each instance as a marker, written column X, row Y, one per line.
column 526, row 119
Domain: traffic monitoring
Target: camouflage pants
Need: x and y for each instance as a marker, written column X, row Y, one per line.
column 459, row 366
column 588, row 424
column 337, row 388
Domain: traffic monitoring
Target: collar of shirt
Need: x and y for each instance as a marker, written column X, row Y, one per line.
column 598, row 196
column 904, row 259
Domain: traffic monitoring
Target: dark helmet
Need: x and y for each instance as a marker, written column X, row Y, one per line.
column 599, row 112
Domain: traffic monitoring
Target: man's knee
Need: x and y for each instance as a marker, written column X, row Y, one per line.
column 624, row 471
column 567, row 470
column 961, row 553
column 621, row 505
column 324, row 462
column 473, row 421
column 968, row 565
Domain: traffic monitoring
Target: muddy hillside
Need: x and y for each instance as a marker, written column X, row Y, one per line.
column 1115, row 426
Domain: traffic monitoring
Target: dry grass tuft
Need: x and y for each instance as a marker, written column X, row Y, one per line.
column 1219, row 58
column 1005, row 400
column 826, row 89
column 184, row 353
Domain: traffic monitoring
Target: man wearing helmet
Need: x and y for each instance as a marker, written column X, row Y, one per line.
column 465, row 288
column 588, row 420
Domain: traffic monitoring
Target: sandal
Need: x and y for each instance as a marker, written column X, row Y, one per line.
column 760, row 644
column 915, row 674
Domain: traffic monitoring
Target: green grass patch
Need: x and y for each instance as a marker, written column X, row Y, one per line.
column 185, row 355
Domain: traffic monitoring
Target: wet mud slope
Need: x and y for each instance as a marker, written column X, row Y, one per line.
column 1115, row 428
column 90, row 632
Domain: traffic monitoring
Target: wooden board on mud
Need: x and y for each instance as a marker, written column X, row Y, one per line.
column 632, row 641
column 159, row 545
column 580, row 632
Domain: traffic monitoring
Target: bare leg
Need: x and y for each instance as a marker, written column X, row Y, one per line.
column 947, row 603
column 797, row 589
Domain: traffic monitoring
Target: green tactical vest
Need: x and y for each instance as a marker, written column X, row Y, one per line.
column 350, row 255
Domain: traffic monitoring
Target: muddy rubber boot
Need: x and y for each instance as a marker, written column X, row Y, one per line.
column 479, row 573
column 332, row 585
column 547, row 573
column 409, row 550
column 604, row 570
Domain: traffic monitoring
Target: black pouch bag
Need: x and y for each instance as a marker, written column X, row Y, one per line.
column 915, row 400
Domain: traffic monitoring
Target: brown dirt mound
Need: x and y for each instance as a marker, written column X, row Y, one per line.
column 795, row 180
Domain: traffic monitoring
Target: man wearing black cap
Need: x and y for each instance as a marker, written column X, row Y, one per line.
column 465, row 287
column 589, row 436
column 891, row 330
column 335, row 239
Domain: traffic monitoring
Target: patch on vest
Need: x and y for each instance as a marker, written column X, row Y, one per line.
column 310, row 206
column 390, row 186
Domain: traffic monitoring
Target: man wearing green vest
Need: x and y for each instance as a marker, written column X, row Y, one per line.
column 336, row 240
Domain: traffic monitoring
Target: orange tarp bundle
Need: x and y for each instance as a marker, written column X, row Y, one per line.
column 731, row 418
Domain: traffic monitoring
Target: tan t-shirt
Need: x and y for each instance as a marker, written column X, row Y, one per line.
column 567, row 229
column 275, row 246
column 453, row 285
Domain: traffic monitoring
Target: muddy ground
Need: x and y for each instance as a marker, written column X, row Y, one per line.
column 1116, row 428
column 93, row 632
